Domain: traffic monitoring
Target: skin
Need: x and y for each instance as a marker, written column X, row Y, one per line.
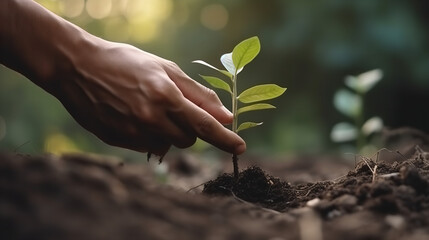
column 125, row 96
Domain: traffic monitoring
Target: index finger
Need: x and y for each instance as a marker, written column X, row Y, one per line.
column 210, row 130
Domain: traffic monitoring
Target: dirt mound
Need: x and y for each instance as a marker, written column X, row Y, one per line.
column 253, row 185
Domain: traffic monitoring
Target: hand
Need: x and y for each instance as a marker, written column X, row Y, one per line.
column 125, row 96
column 136, row 100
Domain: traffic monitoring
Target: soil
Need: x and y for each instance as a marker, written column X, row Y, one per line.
column 385, row 196
column 255, row 186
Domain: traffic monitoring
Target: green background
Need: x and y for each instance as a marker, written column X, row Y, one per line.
column 306, row 46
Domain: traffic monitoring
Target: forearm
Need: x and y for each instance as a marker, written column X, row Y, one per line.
column 38, row 44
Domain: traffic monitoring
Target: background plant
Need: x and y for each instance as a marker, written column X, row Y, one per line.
column 351, row 104
column 234, row 63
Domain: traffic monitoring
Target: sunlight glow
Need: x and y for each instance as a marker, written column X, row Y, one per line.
column 98, row 9
column 143, row 32
column 51, row 5
column 153, row 10
column 71, row 8
column 118, row 7
column 145, row 18
column 137, row 20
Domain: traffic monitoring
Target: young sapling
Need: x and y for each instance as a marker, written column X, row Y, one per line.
column 234, row 62
column 351, row 104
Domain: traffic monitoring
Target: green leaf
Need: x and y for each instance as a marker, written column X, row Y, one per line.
column 261, row 93
column 245, row 52
column 212, row 67
column 348, row 103
column 254, row 107
column 365, row 81
column 372, row 125
column 227, row 62
column 217, row 83
column 343, row 132
column 247, row 125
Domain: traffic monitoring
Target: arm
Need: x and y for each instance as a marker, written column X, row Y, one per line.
column 125, row 96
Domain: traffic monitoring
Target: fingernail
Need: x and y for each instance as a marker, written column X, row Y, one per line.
column 226, row 110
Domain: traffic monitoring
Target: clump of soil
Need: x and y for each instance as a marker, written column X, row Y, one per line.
column 396, row 188
column 252, row 185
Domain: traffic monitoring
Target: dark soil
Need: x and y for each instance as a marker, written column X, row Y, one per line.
column 82, row 197
column 253, row 185
column 397, row 188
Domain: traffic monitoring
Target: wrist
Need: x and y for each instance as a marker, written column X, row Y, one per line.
column 39, row 44
column 70, row 53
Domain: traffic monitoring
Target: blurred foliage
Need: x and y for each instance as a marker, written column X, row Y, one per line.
column 307, row 46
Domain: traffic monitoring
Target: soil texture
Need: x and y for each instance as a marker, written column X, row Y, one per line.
column 385, row 196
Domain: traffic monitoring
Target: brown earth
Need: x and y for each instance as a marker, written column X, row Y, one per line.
column 85, row 197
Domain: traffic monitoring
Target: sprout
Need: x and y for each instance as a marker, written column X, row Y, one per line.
column 351, row 104
column 234, row 62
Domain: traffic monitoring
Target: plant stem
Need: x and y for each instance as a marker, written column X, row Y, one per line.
column 360, row 141
column 234, row 121
column 234, row 104
column 235, row 165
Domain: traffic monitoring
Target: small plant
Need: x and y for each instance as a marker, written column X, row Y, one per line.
column 234, row 63
column 351, row 104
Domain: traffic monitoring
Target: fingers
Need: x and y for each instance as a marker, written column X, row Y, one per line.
column 179, row 136
column 200, row 95
column 146, row 142
column 210, row 130
column 203, row 113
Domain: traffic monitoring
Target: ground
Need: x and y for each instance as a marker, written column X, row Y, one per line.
column 308, row 198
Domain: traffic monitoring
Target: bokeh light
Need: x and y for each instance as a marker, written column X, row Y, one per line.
column 145, row 18
column 151, row 10
column 143, row 31
column 98, row 9
column 138, row 21
column 71, row 8
column 52, row 5
column 214, row 16
column 58, row 143
column 118, row 7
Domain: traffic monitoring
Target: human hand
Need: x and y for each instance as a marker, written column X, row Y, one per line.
column 136, row 100
column 125, row 96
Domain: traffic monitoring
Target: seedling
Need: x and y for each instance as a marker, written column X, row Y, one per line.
column 234, row 63
column 351, row 104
